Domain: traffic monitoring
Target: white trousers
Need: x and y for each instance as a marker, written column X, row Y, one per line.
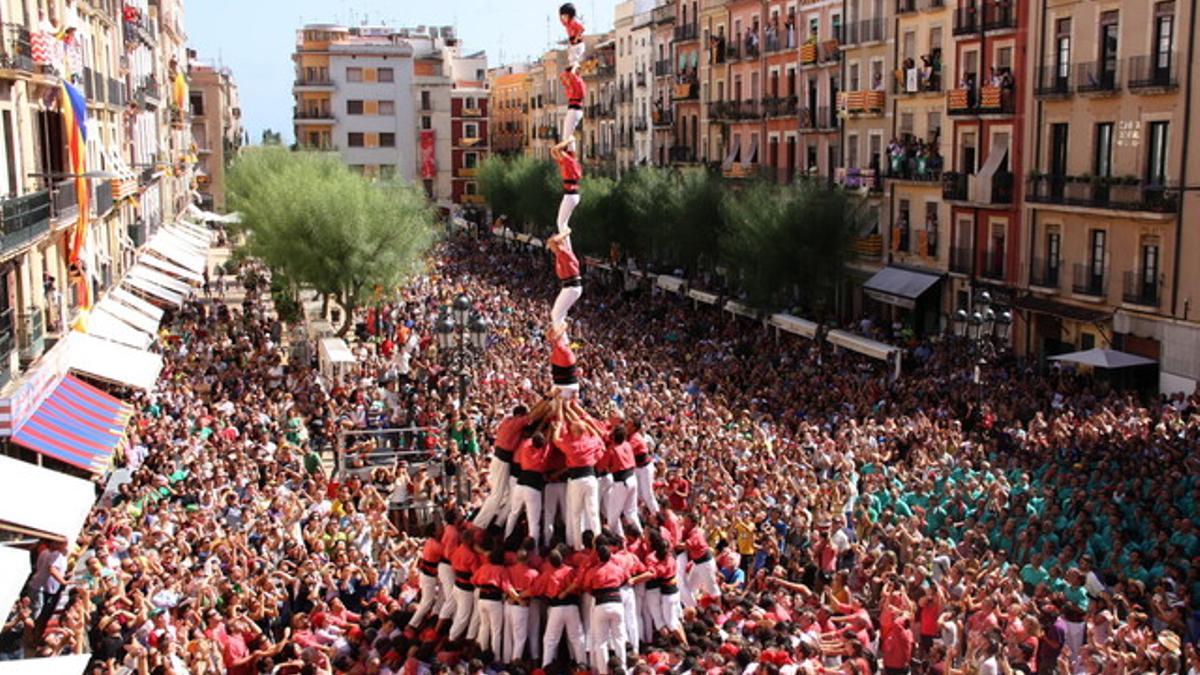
column 497, row 500
column 654, row 605
column 464, row 608
column 491, row 626
column 429, row 596
column 560, row 620
column 537, row 609
column 632, row 623
column 575, row 53
column 525, row 500
column 605, row 483
column 622, row 501
column 701, row 580
column 672, row 611
column 516, row 632
column 567, row 297
column 645, row 487
column 554, row 503
column 608, row 635
column 571, row 122
column 565, row 208
column 446, row 584
column 645, row 616
column 583, row 509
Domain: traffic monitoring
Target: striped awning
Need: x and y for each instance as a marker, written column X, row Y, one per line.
column 77, row 424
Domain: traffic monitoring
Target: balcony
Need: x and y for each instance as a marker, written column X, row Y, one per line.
column 865, row 31
column 472, row 112
column 682, row 154
column 1053, row 82
column 662, row 118
column 662, row 68
column 315, row 116
column 732, row 52
column 911, row 165
column 466, row 172
column 17, row 48
column 137, row 233
column 685, row 91
column 986, row 101
column 1098, row 78
column 147, row 94
column 313, row 84
column 1153, row 74
column 1089, row 281
column 967, row 21
column 932, row 5
column 116, row 93
column 823, row 118
column 869, row 247
column 1043, row 273
column 906, row 6
column 915, row 80
column 24, row 219
column 640, row 125
column 962, row 259
column 476, row 199
column 686, row 33
column 104, row 198
column 809, row 53
column 993, row 266
column 863, row 103
column 1101, row 192
column 640, row 78
column 954, row 186
column 7, row 345
column 31, row 333
column 999, row 15
column 854, row 178
column 778, row 106
column 1141, row 291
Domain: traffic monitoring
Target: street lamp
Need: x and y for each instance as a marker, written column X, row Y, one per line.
column 461, row 335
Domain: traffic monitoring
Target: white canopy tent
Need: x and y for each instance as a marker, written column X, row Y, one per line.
column 671, row 284
column 113, row 362
column 51, row 665
column 177, row 251
column 141, row 271
column 197, row 240
column 164, row 265
column 794, row 325
column 735, row 307
column 702, row 296
column 43, row 501
column 1110, row 359
column 125, row 313
column 153, row 290
column 105, row 325
column 14, row 570
column 867, row 347
column 130, row 300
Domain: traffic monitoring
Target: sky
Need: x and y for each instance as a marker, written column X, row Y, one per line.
column 255, row 38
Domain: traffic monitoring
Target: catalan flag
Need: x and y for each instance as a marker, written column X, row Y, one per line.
column 74, row 109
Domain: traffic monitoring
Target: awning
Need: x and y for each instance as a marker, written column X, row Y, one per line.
column 14, row 571
column 198, row 240
column 153, row 290
column 143, row 271
column 669, row 283
column 113, row 362
column 794, row 325
column 733, row 153
column 702, row 296
column 105, row 325
column 1111, row 359
column 862, row 345
column 25, row 487
column 735, row 307
column 130, row 300
column 899, row 286
column 127, row 314
column 51, row 665
column 751, row 154
column 77, row 423
column 164, row 265
column 178, row 252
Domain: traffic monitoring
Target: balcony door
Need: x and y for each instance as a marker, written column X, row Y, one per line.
column 1062, row 53
column 1058, row 158
column 1109, row 42
column 1149, row 267
column 1164, row 39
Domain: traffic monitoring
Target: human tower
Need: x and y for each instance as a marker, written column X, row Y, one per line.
column 536, row 564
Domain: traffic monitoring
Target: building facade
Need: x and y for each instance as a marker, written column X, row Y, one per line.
column 216, row 129
column 508, row 108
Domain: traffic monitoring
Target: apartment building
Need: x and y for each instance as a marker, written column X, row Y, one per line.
column 382, row 98
column 685, row 88
column 508, row 108
column 599, row 130
column 216, row 129
column 1109, row 234
column 662, row 115
column 713, row 77
column 469, row 139
column 625, row 66
column 547, row 101
column 641, row 40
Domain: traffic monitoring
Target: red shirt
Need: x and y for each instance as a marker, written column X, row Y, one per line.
column 581, row 452
column 495, row 576
column 570, row 170
column 664, row 570
column 508, row 434
column 897, row 648
column 633, row 564
column 672, row 531
column 574, row 30
column 553, row 581
column 566, row 265
column 464, row 560
column 533, row 459
column 678, row 501
column 574, row 87
column 449, row 542
column 561, row 353
column 695, row 543
column 520, row 578
column 641, row 454
column 606, row 576
column 619, row 457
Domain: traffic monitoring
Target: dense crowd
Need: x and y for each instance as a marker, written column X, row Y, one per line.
column 1036, row 523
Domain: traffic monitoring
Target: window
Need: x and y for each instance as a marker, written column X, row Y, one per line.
column 386, row 75
column 426, row 122
column 470, row 188
column 355, row 140
column 875, row 149
column 934, row 122
column 470, row 160
column 1096, row 256
column 1053, row 252
column 1149, row 266
column 1109, row 29
column 197, row 101
column 1156, row 164
column 354, row 107
column 906, row 123
column 387, row 108
column 1102, row 162
column 426, row 101
column 1164, row 36
column 854, row 86
column 354, row 75
column 387, row 140
column 1004, row 56
column 428, row 185
column 470, row 130
column 1062, row 51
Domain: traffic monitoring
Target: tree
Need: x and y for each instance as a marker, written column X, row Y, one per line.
column 696, row 234
column 790, row 245
column 271, row 138
column 525, row 189
column 651, row 198
column 319, row 225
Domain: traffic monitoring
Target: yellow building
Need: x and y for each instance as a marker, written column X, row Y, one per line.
column 508, row 97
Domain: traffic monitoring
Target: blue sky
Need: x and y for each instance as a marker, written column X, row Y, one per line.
column 256, row 37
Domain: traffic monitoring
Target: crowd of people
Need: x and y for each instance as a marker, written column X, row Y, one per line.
column 1039, row 523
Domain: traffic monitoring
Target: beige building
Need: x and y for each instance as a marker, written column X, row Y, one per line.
column 216, row 130
column 1112, row 245
column 508, row 91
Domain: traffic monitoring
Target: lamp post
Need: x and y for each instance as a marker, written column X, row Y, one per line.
column 985, row 331
column 462, row 334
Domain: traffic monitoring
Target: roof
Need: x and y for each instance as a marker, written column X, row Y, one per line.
column 900, row 282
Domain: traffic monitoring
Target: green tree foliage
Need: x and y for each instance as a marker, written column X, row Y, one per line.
column 316, row 224
column 524, row 189
column 271, row 137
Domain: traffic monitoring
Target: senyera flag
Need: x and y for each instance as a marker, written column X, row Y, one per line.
column 74, row 108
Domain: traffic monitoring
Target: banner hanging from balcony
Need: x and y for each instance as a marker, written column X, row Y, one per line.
column 74, row 109
column 428, row 156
